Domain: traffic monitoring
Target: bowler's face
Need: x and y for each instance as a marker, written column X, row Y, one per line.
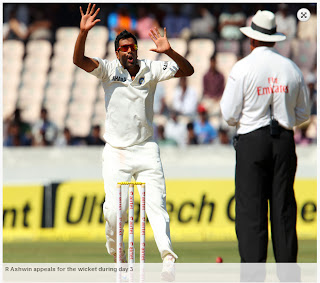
column 128, row 59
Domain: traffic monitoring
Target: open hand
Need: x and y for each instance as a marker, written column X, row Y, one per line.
column 88, row 19
column 161, row 42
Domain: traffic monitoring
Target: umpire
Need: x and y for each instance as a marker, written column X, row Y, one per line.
column 265, row 97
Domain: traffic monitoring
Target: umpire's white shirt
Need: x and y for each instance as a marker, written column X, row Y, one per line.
column 261, row 78
column 129, row 103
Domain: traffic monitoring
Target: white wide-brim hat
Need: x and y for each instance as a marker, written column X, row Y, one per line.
column 263, row 28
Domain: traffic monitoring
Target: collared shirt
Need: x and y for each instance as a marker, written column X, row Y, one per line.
column 129, row 103
column 262, row 78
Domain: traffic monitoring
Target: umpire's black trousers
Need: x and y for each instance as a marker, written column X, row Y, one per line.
column 265, row 170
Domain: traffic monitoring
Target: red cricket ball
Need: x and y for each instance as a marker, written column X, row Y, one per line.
column 219, row 259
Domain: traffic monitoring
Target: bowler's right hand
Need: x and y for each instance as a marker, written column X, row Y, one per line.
column 88, row 19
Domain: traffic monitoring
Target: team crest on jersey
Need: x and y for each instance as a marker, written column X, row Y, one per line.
column 141, row 81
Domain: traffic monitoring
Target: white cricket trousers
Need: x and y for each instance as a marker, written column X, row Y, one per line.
column 143, row 163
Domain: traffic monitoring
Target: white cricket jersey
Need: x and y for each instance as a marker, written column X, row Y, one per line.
column 262, row 78
column 129, row 104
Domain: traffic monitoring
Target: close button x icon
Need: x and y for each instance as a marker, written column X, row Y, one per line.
column 303, row 15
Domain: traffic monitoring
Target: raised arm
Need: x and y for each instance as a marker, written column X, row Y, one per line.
column 87, row 22
column 163, row 46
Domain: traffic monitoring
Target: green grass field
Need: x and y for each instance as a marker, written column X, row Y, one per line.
column 93, row 252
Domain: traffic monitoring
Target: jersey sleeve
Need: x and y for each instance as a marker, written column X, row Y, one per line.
column 101, row 72
column 164, row 70
column 232, row 99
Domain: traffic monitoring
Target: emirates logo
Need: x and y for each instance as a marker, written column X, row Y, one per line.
column 274, row 87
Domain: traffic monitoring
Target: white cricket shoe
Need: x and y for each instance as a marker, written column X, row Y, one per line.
column 168, row 269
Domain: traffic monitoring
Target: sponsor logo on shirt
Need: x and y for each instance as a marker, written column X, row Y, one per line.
column 274, row 87
column 118, row 79
column 141, row 81
column 165, row 65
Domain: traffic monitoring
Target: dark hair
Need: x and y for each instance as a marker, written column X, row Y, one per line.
column 268, row 44
column 223, row 130
column 44, row 110
column 161, row 128
column 124, row 35
column 264, row 43
column 190, row 126
column 213, row 57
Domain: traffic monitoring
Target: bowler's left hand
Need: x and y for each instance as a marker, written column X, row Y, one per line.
column 161, row 42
